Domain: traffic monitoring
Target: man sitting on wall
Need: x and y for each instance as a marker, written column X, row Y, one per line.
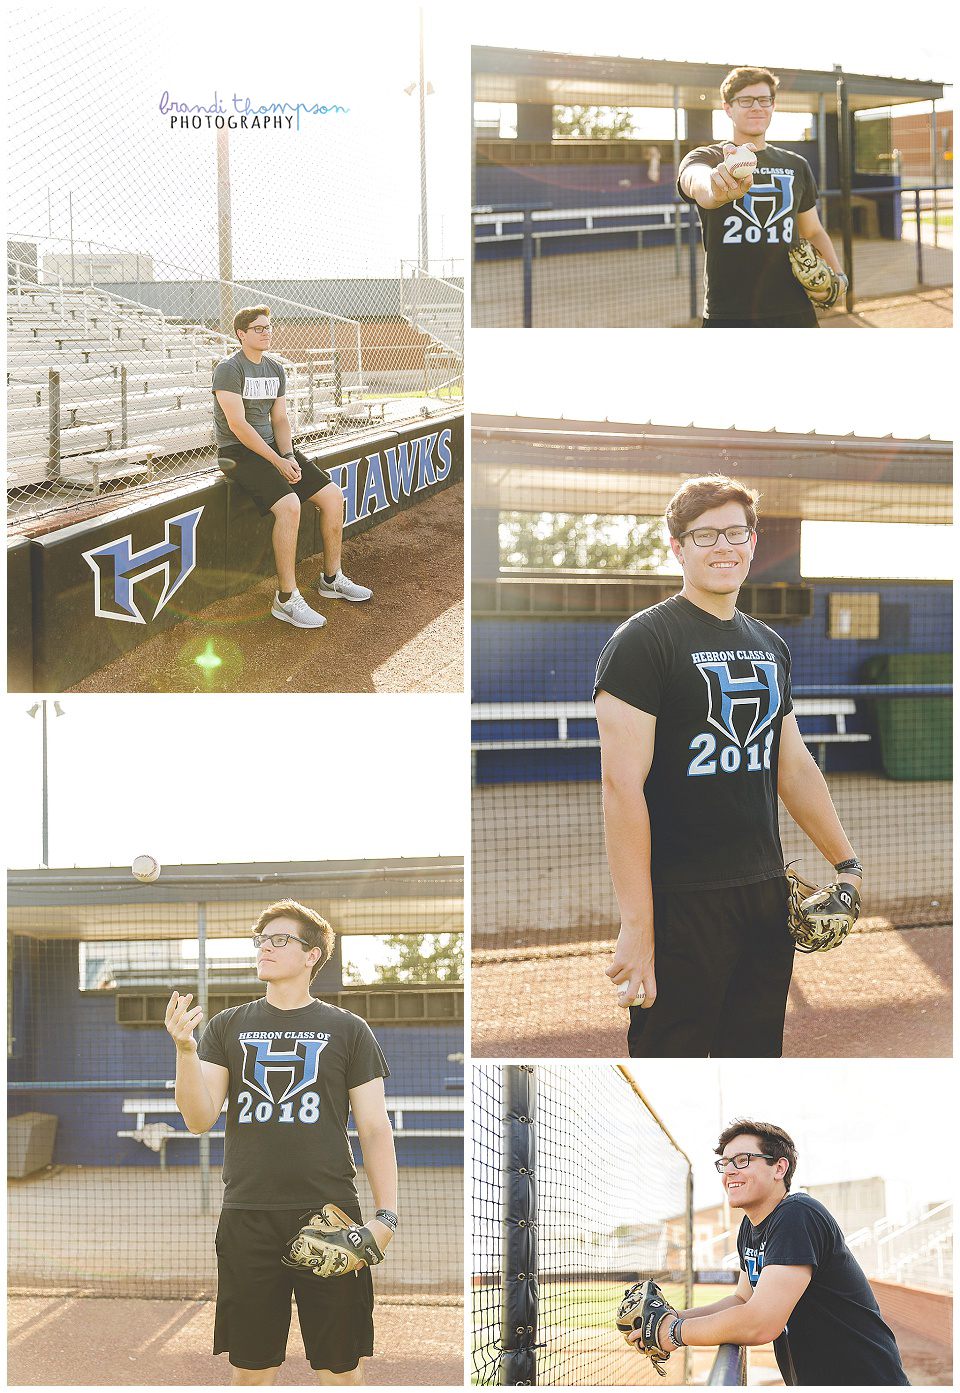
column 255, row 449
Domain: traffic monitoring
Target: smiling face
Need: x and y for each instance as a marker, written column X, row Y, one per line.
column 759, row 1185
column 719, row 570
column 256, row 339
column 750, row 122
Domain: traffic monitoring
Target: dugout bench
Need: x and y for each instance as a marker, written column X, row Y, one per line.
column 559, row 714
column 157, row 1135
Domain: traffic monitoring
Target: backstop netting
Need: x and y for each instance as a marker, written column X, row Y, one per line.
column 97, row 1151
column 585, row 1181
column 582, row 224
column 145, row 211
column 568, row 544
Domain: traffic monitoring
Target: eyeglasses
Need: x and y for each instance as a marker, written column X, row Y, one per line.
column 749, row 101
column 743, row 1159
column 278, row 940
column 259, row 328
column 707, row 536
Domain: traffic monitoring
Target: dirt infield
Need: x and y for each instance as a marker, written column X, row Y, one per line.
column 408, row 638
column 923, row 309
column 167, row 1344
column 883, row 995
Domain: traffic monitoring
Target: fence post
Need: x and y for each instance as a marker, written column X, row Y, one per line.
column 518, row 1320
column 845, row 152
column 53, row 419
column 916, row 206
column 124, row 439
column 692, row 219
column 337, row 380
column 527, row 258
column 202, row 1003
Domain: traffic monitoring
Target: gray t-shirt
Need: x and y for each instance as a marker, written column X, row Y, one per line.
column 259, row 384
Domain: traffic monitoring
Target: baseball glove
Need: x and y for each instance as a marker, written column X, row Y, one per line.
column 820, row 919
column 816, row 276
column 642, row 1308
column 331, row 1244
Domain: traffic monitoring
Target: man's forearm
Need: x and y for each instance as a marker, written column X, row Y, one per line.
column 736, row 1325
column 282, row 435
column 246, row 434
column 627, row 834
column 804, row 793
column 191, row 1094
column 726, row 1303
column 380, row 1164
column 696, row 185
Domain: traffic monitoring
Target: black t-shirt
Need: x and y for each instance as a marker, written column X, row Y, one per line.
column 259, row 384
column 285, row 1144
column 835, row 1334
column 746, row 272
column 719, row 689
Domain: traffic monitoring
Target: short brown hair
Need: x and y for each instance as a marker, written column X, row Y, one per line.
column 316, row 931
column 244, row 318
column 696, row 496
column 738, row 78
column 774, row 1142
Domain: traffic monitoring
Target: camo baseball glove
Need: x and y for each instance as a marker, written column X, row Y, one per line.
column 642, row 1308
column 816, row 276
column 820, row 919
column 331, row 1244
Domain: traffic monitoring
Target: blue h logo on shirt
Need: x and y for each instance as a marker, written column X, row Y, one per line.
column 116, row 568
column 761, row 692
column 300, row 1064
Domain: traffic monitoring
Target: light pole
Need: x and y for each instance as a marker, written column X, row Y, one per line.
column 41, row 706
column 424, row 90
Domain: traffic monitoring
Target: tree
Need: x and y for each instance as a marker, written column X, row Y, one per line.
column 413, row 958
column 593, row 122
column 580, row 542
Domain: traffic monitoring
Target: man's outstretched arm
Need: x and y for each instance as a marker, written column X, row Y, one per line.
column 754, row 1322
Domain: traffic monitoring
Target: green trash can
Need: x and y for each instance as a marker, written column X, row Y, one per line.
column 915, row 733
column 30, row 1138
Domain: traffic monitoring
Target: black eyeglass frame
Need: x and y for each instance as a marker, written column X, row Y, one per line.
column 257, row 939
column 724, row 1161
column 720, row 532
column 745, row 103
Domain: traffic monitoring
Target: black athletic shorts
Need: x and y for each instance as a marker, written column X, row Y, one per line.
column 265, row 484
column 804, row 319
column 253, row 1297
column 723, row 960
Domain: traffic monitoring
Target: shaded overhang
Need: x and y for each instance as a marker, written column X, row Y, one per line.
column 408, row 895
column 544, row 465
column 567, row 79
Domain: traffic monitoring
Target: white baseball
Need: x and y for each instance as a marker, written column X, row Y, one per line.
column 741, row 162
column 145, row 867
column 626, row 1001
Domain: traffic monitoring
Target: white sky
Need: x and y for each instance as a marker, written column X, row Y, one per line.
column 698, row 32
column 845, row 1117
column 341, row 197
column 239, row 778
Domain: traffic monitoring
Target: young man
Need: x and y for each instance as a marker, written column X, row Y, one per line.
column 750, row 223
column 290, row 1068
column 800, row 1286
column 255, row 448
column 698, row 737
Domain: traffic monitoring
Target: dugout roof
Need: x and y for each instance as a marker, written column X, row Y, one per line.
column 409, row 895
column 568, row 79
column 544, row 465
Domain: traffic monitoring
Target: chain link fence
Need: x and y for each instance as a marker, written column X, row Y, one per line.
column 144, row 215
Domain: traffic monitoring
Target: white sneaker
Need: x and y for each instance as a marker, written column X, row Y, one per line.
column 342, row 589
column 296, row 611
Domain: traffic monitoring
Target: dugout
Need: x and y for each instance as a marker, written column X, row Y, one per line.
column 536, row 635
column 100, row 587
column 93, row 956
column 536, row 169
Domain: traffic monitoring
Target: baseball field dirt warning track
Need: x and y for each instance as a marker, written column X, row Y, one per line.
column 408, row 638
